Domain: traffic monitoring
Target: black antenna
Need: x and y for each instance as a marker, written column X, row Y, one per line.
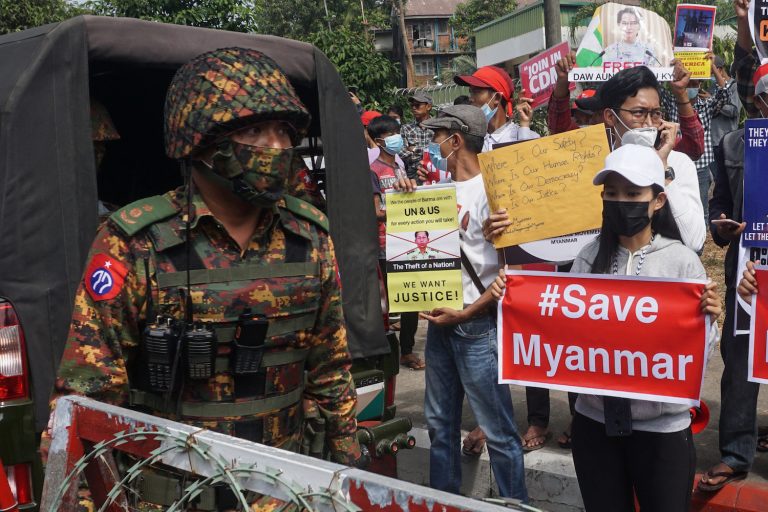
column 150, row 304
column 188, row 179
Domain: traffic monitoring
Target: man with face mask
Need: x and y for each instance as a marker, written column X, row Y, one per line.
column 738, row 427
column 491, row 89
column 633, row 115
column 261, row 276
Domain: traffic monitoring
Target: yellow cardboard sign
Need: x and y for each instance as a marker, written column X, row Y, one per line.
column 423, row 257
column 546, row 184
column 697, row 63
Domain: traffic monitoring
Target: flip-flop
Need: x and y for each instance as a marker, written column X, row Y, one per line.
column 566, row 445
column 732, row 476
column 762, row 443
column 546, row 436
column 413, row 363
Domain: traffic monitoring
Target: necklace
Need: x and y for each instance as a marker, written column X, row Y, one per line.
column 640, row 262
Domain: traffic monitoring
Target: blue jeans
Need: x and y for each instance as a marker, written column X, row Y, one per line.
column 738, row 396
column 463, row 359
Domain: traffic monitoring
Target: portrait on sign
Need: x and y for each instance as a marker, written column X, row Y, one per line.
column 620, row 37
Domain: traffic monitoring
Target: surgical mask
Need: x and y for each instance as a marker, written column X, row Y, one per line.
column 393, row 144
column 438, row 160
column 626, row 218
column 692, row 92
column 645, row 136
column 255, row 174
column 487, row 112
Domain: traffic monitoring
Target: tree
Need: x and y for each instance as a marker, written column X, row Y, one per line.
column 18, row 15
column 359, row 65
column 473, row 13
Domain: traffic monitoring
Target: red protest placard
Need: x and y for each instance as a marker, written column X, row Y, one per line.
column 538, row 75
column 620, row 336
column 758, row 330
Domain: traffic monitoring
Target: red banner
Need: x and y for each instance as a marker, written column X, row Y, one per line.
column 758, row 330
column 620, row 336
column 538, row 75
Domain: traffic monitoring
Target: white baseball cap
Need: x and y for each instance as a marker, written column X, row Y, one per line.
column 640, row 165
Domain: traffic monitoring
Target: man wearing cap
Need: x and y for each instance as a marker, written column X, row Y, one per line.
column 415, row 136
column 461, row 342
column 706, row 107
column 269, row 281
column 738, row 427
column 727, row 119
column 559, row 115
column 491, row 89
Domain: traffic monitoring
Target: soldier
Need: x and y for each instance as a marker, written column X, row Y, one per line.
column 422, row 250
column 261, row 273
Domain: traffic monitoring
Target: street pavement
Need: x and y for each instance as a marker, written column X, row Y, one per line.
column 549, row 471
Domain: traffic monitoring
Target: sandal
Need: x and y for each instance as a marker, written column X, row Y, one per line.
column 543, row 437
column 474, row 444
column 564, row 441
column 762, row 443
column 413, row 362
column 730, row 476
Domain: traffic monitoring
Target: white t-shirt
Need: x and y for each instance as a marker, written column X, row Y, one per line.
column 508, row 132
column 473, row 210
column 685, row 201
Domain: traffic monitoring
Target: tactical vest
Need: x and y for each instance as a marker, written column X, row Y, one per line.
column 264, row 407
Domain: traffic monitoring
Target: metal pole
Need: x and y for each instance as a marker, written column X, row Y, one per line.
column 552, row 35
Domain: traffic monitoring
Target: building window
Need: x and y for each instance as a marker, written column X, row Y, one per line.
column 421, row 31
column 424, row 67
column 442, row 26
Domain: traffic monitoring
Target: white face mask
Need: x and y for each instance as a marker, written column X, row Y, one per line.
column 641, row 136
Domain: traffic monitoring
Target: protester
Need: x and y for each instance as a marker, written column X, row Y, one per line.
column 559, row 116
column 385, row 133
column 396, row 113
column 706, row 108
column 461, row 345
column 626, row 448
column 366, row 118
column 462, row 100
column 416, row 138
column 727, row 119
column 738, row 437
column 491, row 89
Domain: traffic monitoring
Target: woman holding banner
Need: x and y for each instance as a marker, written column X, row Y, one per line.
column 623, row 447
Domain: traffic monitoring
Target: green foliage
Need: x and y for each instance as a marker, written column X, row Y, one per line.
column 18, row 15
column 359, row 65
column 473, row 13
column 581, row 17
column 461, row 65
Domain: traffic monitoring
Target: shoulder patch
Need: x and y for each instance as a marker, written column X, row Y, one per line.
column 134, row 217
column 306, row 211
column 104, row 277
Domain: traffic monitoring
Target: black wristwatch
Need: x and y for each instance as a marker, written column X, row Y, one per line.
column 669, row 173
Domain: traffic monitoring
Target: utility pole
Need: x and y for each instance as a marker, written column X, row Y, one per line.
column 552, row 35
column 409, row 71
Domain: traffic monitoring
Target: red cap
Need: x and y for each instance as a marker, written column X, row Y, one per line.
column 369, row 115
column 761, row 79
column 490, row 77
column 586, row 93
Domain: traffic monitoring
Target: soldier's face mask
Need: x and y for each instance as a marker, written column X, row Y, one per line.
column 257, row 175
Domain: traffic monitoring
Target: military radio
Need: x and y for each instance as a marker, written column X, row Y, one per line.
column 161, row 341
column 248, row 344
column 199, row 342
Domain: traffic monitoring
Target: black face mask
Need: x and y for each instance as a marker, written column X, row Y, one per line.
column 626, row 218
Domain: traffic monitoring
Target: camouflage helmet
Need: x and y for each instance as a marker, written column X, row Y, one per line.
column 224, row 90
column 102, row 127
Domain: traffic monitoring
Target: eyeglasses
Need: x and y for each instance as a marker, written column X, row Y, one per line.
column 641, row 114
column 629, row 23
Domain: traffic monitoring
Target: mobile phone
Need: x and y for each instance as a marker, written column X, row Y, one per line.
column 725, row 222
column 657, row 144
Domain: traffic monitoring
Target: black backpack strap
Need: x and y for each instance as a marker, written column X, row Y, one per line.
column 178, row 256
column 471, row 271
column 296, row 248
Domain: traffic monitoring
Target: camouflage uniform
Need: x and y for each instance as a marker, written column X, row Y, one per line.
column 285, row 274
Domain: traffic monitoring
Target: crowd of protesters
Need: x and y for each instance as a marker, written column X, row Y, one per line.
column 676, row 163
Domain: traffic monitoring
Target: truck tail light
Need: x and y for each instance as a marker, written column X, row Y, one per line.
column 20, row 480
column 14, row 381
